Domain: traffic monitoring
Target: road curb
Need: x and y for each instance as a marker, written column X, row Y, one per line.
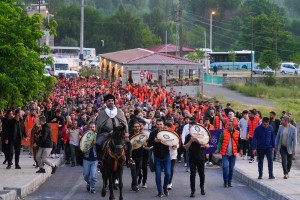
column 12, row 193
column 252, row 183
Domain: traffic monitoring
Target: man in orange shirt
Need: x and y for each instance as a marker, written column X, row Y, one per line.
column 253, row 122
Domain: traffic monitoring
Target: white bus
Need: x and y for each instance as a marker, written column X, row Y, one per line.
column 60, row 51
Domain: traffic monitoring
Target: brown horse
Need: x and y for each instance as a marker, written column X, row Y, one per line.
column 114, row 160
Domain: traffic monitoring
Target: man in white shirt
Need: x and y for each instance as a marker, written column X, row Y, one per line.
column 243, row 125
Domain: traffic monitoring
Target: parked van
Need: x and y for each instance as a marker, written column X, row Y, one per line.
column 289, row 68
column 60, row 66
column 68, row 74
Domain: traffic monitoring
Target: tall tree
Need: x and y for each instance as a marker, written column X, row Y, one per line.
column 21, row 72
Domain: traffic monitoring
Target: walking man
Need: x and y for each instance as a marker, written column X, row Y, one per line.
column 45, row 146
column 197, row 161
column 90, row 162
column 161, row 159
column 286, row 144
column 263, row 143
column 228, row 145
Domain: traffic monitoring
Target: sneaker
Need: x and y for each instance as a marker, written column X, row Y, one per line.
column 187, row 170
column 244, row 157
column 272, row 177
column 144, row 185
column 41, row 170
column 260, row 177
column 160, row 194
column 135, row 188
column 169, row 186
column 192, row 195
column 88, row 187
column 166, row 192
column 225, row 184
column 8, row 167
column 210, row 163
column 185, row 164
column 202, row 191
column 229, row 184
column 93, row 190
column 53, row 169
column 52, row 156
column 18, row 167
column 252, row 160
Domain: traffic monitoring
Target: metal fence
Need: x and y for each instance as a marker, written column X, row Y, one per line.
column 217, row 80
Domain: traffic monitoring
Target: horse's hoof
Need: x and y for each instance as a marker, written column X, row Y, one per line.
column 103, row 193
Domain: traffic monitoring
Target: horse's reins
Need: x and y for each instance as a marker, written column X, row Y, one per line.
column 115, row 156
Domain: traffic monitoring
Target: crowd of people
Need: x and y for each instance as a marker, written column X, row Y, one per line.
column 81, row 104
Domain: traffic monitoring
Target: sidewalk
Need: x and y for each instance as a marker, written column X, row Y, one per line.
column 16, row 183
column 278, row 188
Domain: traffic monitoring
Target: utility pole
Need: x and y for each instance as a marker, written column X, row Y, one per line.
column 251, row 50
column 177, row 33
column 180, row 29
column 81, row 30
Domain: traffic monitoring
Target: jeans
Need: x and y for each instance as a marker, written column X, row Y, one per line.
column 286, row 159
column 260, row 155
column 228, row 163
column 159, row 163
column 90, row 172
column 74, row 153
column 196, row 165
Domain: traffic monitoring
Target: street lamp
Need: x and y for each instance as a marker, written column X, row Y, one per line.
column 47, row 31
column 211, row 14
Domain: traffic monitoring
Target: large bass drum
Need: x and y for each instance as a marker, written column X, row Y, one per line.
column 200, row 133
column 169, row 138
column 87, row 141
column 138, row 139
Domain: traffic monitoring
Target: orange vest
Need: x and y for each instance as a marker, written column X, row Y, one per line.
column 217, row 123
column 252, row 125
column 234, row 141
column 31, row 122
column 235, row 122
column 191, row 109
column 211, row 127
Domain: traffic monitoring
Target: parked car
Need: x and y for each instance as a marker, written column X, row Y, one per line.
column 258, row 70
column 95, row 62
column 289, row 68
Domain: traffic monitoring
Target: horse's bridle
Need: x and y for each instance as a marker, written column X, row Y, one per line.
column 115, row 156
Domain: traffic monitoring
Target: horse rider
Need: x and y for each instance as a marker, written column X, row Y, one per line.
column 111, row 117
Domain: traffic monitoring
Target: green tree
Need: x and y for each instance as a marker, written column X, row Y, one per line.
column 69, row 42
column 232, row 56
column 296, row 58
column 196, row 55
column 21, row 72
column 269, row 58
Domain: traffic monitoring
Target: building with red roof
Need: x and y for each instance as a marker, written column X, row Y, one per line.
column 170, row 49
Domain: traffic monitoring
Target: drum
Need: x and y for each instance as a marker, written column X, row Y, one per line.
column 169, row 138
column 200, row 133
column 146, row 132
column 87, row 141
column 137, row 140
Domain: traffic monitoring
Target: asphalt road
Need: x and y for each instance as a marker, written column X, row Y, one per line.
column 230, row 95
column 67, row 183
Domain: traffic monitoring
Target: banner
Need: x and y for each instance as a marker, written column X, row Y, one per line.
column 213, row 143
column 54, row 129
column 28, row 128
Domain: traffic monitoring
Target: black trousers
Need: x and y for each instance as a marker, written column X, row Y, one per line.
column 14, row 145
column 144, row 172
column 245, row 146
column 250, row 148
column 135, row 170
column 5, row 149
column 173, row 161
column 180, row 151
column 196, row 165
